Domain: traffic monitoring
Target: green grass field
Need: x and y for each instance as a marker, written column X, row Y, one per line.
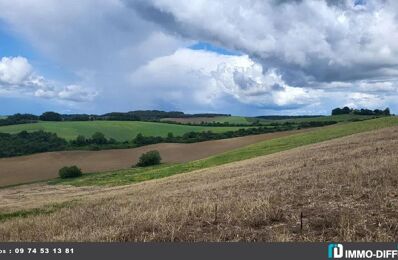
column 134, row 175
column 119, row 130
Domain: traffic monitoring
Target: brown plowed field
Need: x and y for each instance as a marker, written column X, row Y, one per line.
column 46, row 165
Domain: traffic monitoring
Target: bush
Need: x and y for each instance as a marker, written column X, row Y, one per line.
column 79, row 141
column 69, row 172
column 98, row 138
column 149, row 158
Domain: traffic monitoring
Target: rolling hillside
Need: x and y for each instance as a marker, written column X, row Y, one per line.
column 44, row 166
column 119, row 130
column 273, row 145
column 343, row 189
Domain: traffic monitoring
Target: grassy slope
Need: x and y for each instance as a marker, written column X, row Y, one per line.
column 263, row 148
column 119, row 130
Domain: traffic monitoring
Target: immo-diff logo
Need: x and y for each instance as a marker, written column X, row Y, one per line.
column 335, row 251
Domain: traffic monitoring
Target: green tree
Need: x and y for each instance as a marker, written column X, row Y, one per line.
column 170, row 137
column 81, row 140
column 98, row 138
column 139, row 139
column 50, row 116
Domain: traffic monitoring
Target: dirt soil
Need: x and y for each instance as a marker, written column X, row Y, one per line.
column 24, row 169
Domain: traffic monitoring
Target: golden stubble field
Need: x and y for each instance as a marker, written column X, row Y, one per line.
column 344, row 189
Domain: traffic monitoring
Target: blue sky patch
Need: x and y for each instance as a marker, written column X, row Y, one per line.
column 212, row 48
column 11, row 46
column 359, row 2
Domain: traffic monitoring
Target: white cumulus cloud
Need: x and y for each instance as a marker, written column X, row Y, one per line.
column 18, row 76
column 203, row 79
column 14, row 70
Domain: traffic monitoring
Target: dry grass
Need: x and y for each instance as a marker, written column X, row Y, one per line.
column 345, row 188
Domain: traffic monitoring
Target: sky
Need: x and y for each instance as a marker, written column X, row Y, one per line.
column 241, row 57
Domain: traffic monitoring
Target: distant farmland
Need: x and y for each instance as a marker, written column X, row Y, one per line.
column 45, row 166
column 119, row 130
column 23, row 169
column 217, row 119
column 250, row 120
column 338, row 118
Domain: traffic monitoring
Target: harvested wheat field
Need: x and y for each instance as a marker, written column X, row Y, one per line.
column 45, row 166
column 345, row 189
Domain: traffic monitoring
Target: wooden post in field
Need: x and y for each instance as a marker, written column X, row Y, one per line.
column 215, row 213
column 301, row 221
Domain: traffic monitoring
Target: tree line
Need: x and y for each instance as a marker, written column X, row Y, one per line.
column 19, row 119
column 139, row 115
column 28, row 143
column 157, row 115
column 363, row 111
